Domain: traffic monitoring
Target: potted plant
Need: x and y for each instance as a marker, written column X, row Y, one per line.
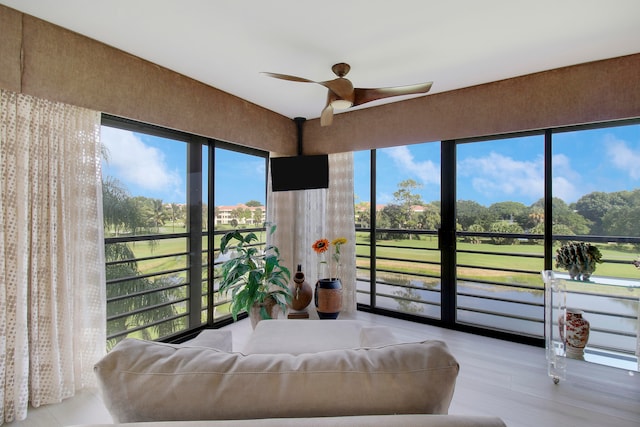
column 579, row 259
column 256, row 279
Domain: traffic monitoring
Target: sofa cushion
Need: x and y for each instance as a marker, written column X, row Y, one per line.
column 149, row 381
column 212, row 338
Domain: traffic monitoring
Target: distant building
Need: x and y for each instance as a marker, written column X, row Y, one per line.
column 243, row 214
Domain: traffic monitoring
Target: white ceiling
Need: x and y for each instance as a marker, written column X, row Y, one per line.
column 454, row 43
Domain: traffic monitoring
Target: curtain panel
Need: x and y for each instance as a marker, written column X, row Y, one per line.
column 52, row 297
column 304, row 216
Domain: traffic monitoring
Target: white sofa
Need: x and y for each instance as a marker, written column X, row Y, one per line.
column 324, row 373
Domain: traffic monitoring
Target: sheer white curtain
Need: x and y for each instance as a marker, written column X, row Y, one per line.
column 52, row 297
column 302, row 217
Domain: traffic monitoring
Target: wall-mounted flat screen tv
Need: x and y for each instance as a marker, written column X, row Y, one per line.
column 299, row 172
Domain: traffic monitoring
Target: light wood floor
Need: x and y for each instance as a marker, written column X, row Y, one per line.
column 496, row 378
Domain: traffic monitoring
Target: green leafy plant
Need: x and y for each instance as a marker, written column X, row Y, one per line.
column 579, row 258
column 253, row 276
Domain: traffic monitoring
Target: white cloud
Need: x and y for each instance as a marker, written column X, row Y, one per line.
column 426, row 171
column 566, row 182
column 503, row 175
column 138, row 164
column 496, row 173
column 622, row 156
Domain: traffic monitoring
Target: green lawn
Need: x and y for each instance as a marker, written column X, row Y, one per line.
column 420, row 256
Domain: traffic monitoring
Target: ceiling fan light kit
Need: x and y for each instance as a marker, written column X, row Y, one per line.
column 342, row 95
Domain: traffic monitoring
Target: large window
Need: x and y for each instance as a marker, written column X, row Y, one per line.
column 405, row 209
column 239, row 192
column 500, row 201
column 160, row 233
column 472, row 257
column 596, row 200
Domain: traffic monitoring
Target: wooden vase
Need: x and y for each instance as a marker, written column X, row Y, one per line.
column 328, row 298
column 302, row 292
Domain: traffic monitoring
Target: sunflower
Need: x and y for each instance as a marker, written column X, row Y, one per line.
column 321, row 246
column 339, row 241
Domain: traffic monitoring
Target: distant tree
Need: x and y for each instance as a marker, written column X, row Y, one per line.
column 404, row 195
column 257, row 216
column 382, row 220
column 114, row 206
column 139, row 301
column 253, row 204
column 241, row 214
column 175, row 211
column 563, row 214
column 557, row 230
column 509, row 211
column 404, row 199
column 156, row 214
column 389, row 217
column 623, row 219
column 594, row 206
column 363, row 214
column 429, row 219
column 395, row 215
column 535, row 218
column 506, row 228
column 474, row 228
column 470, row 212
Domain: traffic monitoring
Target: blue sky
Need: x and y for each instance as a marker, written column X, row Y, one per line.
column 156, row 167
column 511, row 169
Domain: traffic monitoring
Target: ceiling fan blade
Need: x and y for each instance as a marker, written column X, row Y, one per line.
column 327, row 116
column 341, row 87
column 290, row 78
column 367, row 95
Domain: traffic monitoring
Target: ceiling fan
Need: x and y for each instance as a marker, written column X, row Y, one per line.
column 343, row 95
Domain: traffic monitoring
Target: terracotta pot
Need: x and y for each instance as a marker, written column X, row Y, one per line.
column 301, row 293
column 328, row 298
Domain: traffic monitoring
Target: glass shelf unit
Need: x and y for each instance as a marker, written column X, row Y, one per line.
column 610, row 305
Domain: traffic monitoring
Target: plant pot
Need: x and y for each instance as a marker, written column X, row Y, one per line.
column 578, row 273
column 271, row 308
column 328, row 298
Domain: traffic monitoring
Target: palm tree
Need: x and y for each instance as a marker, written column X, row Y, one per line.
column 114, row 197
column 157, row 215
column 136, row 301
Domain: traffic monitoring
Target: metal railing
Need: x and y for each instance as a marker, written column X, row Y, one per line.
column 149, row 296
column 498, row 288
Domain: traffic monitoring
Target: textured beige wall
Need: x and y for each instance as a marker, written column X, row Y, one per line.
column 10, row 43
column 593, row 92
column 60, row 65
